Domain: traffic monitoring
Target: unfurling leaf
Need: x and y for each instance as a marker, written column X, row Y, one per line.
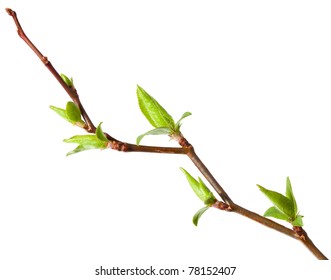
column 178, row 124
column 290, row 195
column 200, row 189
column 61, row 112
column 280, row 201
column 276, row 213
column 69, row 82
column 298, row 221
column 153, row 111
column 73, row 112
column 285, row 207
column 198, row 215
column 85, row 142
column 158, row 117
column 155, row 131
column 100, row 134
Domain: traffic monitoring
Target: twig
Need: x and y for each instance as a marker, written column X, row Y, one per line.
column 210, row 178
column 72, row 92
column 187, row 149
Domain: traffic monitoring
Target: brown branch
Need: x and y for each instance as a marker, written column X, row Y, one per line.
column 72, row 92
column 303, row 236
column 187, row 149
column 229, row 205
column 209, row 177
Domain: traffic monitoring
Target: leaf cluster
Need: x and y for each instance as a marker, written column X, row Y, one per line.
column 285, row 206
column 202, row 192
column 69, row 82
column 157, row 116
column 88, row 141
column 71, row 113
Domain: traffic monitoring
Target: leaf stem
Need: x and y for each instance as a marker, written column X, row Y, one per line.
column 186, row 149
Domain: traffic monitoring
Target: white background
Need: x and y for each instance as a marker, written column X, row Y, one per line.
column 256, row 76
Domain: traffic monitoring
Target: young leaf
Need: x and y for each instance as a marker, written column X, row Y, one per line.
column 100, row 134
column 155, row 131
column 276, row 213
column 73, row 112
column 85, row 142
column 280, row 201
column 198, row 215
column 290, row 195
column 153, row 111
column 70, row 114
column 178, row 124
column 69, row 82
column 298, row 221
column 208, row 197
column 61, row 112
column 200, row 188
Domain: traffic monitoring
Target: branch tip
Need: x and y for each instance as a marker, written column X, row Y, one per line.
column 10, row 12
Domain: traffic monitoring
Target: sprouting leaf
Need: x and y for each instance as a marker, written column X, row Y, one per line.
column 61, row 112
column 290, row 195
column 200, row 189
column 208, row 197
column 178, row 124
column 198, row 215
column 280, row 201
column 100, row 134
column 85, row 142
column 155, row 131
column 153, row 111
column 285, row 207
column 276, row 213
column 158, row 117
column 69, row 82
column 298, row 221
column 73, row 112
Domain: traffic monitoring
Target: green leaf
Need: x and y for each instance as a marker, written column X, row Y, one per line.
column 178, row 124
column 70, row 114
column 276, row 213
column 61, row 112
column 100, row 134
column 155, row 131
column 200, row 189
column 208, row 197
column 69, row 82
column 153, row 111
column 73, row 112
column 280, row 201
column 85, row 142
column 198, row 215
column 298, row 221
column 290, row 195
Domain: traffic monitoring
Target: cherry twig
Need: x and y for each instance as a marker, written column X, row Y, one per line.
column 186, row 148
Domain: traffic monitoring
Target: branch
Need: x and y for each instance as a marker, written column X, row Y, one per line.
column 72, row 92
column 297, row 232
column 187, row 149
